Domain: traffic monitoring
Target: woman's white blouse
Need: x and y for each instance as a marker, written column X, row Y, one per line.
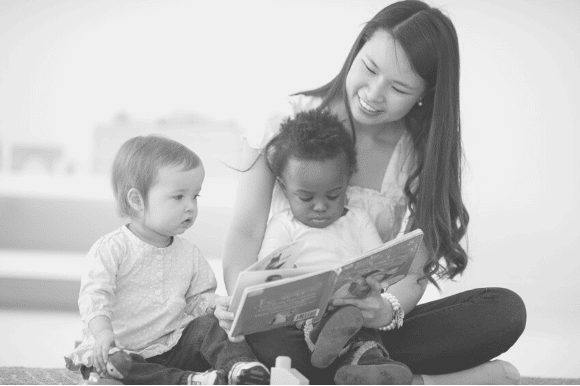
column 387, row 207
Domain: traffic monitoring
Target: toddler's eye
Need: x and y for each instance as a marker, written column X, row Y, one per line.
column 332, row 198
column 305, row 199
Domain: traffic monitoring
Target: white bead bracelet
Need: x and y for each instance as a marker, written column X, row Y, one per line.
column 398, row 312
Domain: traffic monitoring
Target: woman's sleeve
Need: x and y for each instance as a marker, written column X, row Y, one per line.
column 260, row 127
column 370, row 235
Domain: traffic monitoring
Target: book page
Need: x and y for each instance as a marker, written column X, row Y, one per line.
column 284, row 256
column 387, row 264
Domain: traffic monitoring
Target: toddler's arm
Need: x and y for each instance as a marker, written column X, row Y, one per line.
column 200, row 297
column 102, row 330
column 97, row 294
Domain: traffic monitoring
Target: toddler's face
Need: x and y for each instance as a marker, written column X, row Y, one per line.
column 172, row 202
column 316, row 190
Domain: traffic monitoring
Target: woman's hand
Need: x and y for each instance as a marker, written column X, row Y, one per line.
column 104, row 340
column 225, row 318
column 373, row 308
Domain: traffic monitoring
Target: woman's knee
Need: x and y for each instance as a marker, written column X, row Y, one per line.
column 508, row 308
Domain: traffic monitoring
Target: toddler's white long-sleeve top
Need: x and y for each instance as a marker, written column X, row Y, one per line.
column 150, row 294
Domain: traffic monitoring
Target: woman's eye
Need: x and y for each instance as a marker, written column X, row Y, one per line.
column 368, row 68
column 179, row 197
column 196, row 196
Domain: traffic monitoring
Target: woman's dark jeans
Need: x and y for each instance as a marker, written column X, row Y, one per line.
column 443, row 336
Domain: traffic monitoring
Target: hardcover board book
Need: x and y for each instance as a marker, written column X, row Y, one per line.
column 273, row 293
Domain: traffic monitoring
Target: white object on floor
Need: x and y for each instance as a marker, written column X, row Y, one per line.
column 283, row 373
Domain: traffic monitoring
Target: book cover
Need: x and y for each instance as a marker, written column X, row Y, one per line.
column 284, row 302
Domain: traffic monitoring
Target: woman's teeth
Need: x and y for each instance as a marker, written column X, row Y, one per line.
column 366, row 106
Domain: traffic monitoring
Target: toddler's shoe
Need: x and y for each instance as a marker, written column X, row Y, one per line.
column 210, row 377
column 249, row 373
column 368, row 364
column 332, row 334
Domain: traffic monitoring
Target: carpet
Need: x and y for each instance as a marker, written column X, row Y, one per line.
column 40, row 376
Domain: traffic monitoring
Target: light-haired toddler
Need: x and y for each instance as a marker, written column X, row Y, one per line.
column 149, row 292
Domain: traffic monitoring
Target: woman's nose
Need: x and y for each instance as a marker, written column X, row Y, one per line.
column 376, row 91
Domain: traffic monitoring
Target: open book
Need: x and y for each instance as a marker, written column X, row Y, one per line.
column 271, row 293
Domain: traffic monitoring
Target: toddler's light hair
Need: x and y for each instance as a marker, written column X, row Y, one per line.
column 137, row 165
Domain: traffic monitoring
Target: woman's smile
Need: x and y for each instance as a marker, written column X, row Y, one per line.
column 367, row 107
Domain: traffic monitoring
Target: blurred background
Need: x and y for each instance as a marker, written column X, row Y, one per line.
column 79, row 78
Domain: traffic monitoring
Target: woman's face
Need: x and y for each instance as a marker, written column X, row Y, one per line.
column 381, row 85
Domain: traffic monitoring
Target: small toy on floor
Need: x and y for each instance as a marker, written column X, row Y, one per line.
column 283, row 373
column 118, row 365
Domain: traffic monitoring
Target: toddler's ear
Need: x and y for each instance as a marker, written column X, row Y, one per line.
column 135, row 200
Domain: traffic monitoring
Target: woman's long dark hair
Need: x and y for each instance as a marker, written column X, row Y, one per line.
column 434, row 187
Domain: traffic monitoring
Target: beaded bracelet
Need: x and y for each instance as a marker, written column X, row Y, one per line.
column 398, row 312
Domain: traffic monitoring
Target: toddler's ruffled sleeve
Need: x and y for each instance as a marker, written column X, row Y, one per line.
column 98, row 282
column 200, row 297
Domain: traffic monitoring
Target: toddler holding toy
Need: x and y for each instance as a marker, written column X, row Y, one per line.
column 150, row 292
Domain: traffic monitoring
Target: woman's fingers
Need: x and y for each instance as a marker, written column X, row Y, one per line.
column 347, row 302
column 375, row 285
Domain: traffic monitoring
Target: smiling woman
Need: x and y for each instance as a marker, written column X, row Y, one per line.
column 397, row 93
column 376, row 69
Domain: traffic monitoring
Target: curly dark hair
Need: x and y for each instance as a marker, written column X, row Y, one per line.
column 314, row 135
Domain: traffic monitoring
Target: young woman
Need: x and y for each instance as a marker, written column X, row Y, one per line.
column 398, row 94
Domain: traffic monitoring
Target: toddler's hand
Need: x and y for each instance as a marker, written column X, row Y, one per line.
column 103, row 343
column 225, row 318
